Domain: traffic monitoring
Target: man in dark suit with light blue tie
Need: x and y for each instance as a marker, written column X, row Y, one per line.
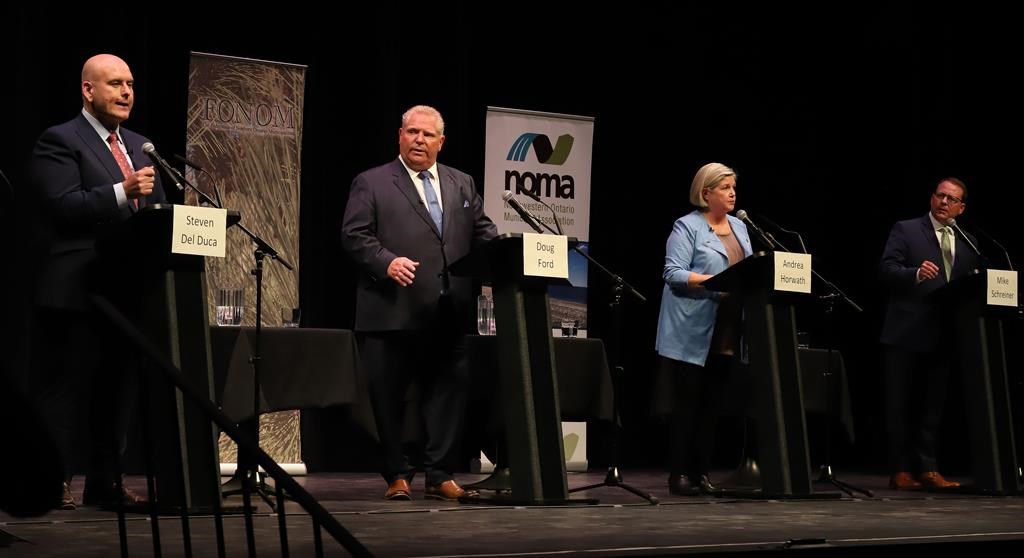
column 921, row 256
column 88, row 173
column 405, row 222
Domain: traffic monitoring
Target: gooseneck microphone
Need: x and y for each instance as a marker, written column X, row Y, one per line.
column 992, row 239
column 149, row 149
column 181, row 159
column 959, row 231
column 527, row 217
column 537, row 199
column 742, row 216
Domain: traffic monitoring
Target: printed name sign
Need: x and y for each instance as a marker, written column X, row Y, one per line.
column 792, row 272
column 545, row 255
column 199, row 231
column 1002, row 288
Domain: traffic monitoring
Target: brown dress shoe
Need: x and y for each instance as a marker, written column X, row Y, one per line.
column 67, row 501
column 934, row 479
column 904, row 481
column 398, row 490
column 448, row 490
column 110, row 500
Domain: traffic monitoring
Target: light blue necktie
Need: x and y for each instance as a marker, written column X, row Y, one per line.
column 433, row 206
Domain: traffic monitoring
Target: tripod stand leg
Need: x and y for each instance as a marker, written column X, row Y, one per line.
column 828, row 476
column 613, row 478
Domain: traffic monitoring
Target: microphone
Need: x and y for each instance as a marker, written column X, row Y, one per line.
column 554, row 215
column 773, row 224
column 993, row 240
column 742, row 215
column 187, row 162
column 952, row 223
column 528, row 217
column 149, row 149
column 216, row 190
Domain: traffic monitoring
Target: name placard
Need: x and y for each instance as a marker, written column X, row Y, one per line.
column 199, row 231
column 545, row 255
column 792, row 272
column 1002, row 288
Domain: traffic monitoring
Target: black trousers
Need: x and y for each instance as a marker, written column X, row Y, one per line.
column 436, row 361
column 85, row 388
column 915, row 394
column 698, row 393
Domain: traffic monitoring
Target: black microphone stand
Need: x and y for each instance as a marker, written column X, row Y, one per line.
column 619, row 286
column 247, row 479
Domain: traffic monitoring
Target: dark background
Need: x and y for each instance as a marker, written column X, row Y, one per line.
column 839, row 121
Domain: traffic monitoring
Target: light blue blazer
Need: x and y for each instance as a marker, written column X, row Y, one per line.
column 687, row 317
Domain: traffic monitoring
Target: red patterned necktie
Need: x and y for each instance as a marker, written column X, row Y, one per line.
column 122, row 161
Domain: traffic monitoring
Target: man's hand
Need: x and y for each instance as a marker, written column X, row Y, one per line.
column 402, row 270
column 928, row 270
column 140, row 183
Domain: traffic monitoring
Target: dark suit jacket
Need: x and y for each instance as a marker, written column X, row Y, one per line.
column 385, row 219
column 73, row 173
column 913, row 321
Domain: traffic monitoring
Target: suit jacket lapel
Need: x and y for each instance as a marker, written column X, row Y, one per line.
column 931, row 241
column 101, row 150
column 450, row 199
column 404, row 184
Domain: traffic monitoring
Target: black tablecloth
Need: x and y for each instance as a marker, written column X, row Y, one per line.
column 314, row 368
column 835, row 401
column 584, row 382
column 301, row 368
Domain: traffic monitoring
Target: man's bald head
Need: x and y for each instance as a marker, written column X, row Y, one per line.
column 108, row 89
column 96, row 64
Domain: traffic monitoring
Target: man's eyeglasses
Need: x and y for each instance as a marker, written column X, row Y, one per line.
column 949, row 199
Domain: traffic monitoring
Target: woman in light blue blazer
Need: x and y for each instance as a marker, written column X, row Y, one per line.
column 699, row 329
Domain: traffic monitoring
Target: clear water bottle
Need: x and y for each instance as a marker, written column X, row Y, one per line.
column 484, row 315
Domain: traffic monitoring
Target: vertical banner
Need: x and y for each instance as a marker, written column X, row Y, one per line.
column 245, row 132
column 549, row 156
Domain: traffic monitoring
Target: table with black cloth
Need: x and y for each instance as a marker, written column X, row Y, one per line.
column 301, row 368
column 833, row 402
column 584, row 381
column 305, row 368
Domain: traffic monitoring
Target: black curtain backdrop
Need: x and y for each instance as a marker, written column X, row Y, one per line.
column 839, row 121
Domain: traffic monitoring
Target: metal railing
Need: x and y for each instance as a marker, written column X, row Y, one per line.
column 284, row 483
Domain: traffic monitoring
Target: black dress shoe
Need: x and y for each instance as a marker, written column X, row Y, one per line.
column 680, row 485
column 705, row 485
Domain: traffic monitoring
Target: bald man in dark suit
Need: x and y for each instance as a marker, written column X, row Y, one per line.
column 88, row 173
column 404, row 223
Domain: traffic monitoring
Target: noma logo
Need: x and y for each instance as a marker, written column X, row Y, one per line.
column 541, row 184
column 542, row 148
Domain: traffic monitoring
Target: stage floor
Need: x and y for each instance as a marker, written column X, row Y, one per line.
column 620, row 525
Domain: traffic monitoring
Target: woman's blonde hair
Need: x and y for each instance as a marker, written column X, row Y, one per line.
column 706, row 178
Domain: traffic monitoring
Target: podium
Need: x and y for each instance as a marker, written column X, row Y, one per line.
column 527, row 373
column 769, row 326
column 978, row 327
column 172, row 312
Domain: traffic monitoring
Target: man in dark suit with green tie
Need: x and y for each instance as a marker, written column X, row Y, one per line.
column 921, row 256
